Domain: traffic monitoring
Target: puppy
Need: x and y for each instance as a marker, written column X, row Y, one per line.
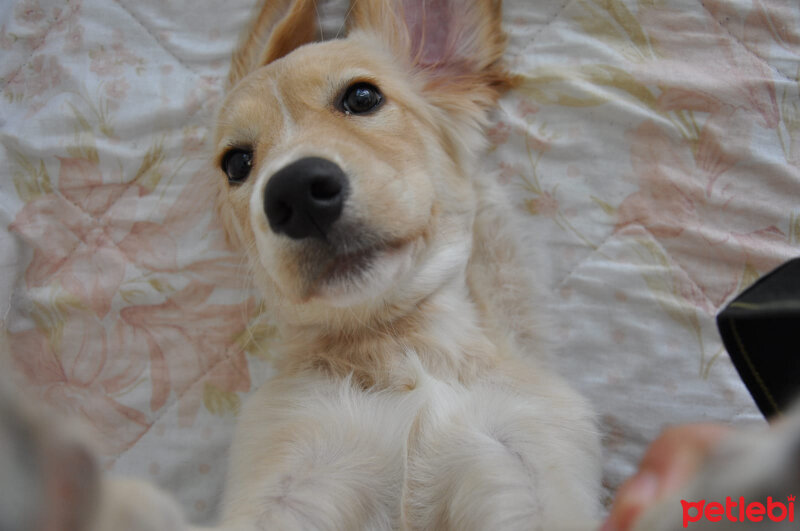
column 414, row 391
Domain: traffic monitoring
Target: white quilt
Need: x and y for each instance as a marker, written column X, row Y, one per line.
column 653, row 150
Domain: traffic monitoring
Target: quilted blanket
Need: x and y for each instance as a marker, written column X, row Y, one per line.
column 652, row 151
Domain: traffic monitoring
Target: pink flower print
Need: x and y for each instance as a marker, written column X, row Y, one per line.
column 193, row 141
column 537, row 144
column 204, row 93
column 117, row 88
column 525, row 108
column 698, row 222
column 111, row 61
column 194, row 202
column 77, row 374
column 766, row 24
column 190, row 341
column 72, row 248
column 83, row 237
column 499, row 133
column 28, row 12
column 710, row 63
column 6, row 40
column 508, row 172
column 544, row 204
column 40, row 75
column 69, row 18
column 711, row 157
column 103, row 62
column 781, row 18
column 677, row 98
column 74, row 39
column 665, row 202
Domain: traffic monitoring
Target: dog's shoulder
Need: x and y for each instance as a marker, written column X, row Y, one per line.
column 500, row 277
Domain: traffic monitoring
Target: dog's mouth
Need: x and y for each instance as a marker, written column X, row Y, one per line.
column 343, row 274
column 349, row 266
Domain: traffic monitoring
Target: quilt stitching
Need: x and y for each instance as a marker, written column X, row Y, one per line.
column 27, row 60
column 164, row 410
column 548, row 24
column 157, row 40
column 595, row 254
column 572, row 270
column 772, row 67
column 674, row 263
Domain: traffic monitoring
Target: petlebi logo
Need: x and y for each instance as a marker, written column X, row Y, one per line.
column 738, row 511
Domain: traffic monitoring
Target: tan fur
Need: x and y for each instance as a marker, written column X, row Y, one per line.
column 413, row 390
column 448, row 325
column 415, row 393
column 256, row 48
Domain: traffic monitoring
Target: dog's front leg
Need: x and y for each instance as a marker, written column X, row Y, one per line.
column 314, row 453
column 492, row 456
column 131, row 505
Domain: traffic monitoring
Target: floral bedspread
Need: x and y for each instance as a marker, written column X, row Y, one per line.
column 652, row 150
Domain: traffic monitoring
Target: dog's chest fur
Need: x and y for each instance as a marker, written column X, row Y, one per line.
column 397, row 455
column 402, row 402
column 444, row 333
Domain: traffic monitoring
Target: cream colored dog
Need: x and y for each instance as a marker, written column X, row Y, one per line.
column 414, row 391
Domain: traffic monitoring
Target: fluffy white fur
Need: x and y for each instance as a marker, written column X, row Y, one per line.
column 427, row 454
column 414, row 392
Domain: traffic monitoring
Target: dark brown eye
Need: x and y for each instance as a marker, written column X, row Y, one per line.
column 237, row 164
column 361, row 98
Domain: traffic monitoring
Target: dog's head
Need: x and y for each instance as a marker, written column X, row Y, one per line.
column 344, row 164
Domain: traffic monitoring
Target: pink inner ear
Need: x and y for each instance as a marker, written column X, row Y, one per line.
column 432, row 26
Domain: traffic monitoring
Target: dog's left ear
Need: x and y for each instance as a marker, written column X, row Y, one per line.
column 280, row 27
column 456, row 46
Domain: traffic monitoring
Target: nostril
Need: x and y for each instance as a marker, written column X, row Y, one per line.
column 325, row 189
column 305, row 198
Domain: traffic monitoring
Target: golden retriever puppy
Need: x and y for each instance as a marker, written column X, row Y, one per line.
column 413, row 390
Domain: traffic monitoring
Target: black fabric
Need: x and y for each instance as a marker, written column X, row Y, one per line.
column 761, row 332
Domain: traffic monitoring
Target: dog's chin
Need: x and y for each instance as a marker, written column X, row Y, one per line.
column 363, row 276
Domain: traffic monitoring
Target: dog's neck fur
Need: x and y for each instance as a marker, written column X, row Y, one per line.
column 444, row 331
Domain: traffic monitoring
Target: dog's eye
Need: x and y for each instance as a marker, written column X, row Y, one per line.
column 361, row 98
column 237, row 164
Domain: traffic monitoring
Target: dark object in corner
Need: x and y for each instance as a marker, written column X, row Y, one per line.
column 761, row 331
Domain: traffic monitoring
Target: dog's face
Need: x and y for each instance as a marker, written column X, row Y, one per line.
column 343, row 170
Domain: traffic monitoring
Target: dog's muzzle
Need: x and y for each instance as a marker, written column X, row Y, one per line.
column 305, row 198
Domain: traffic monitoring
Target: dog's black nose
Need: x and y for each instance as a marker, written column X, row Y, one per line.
column 305, row 198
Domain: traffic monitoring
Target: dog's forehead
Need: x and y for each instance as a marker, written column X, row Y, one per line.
column 305, row 81
column 329, row 57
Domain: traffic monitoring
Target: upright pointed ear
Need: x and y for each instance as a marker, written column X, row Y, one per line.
column 456, row 45
column 280, row 27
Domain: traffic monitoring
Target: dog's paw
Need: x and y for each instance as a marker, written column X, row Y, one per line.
column 129, row 505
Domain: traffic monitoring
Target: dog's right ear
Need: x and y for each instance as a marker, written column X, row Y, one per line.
column 280, row 27
column 454, row 46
